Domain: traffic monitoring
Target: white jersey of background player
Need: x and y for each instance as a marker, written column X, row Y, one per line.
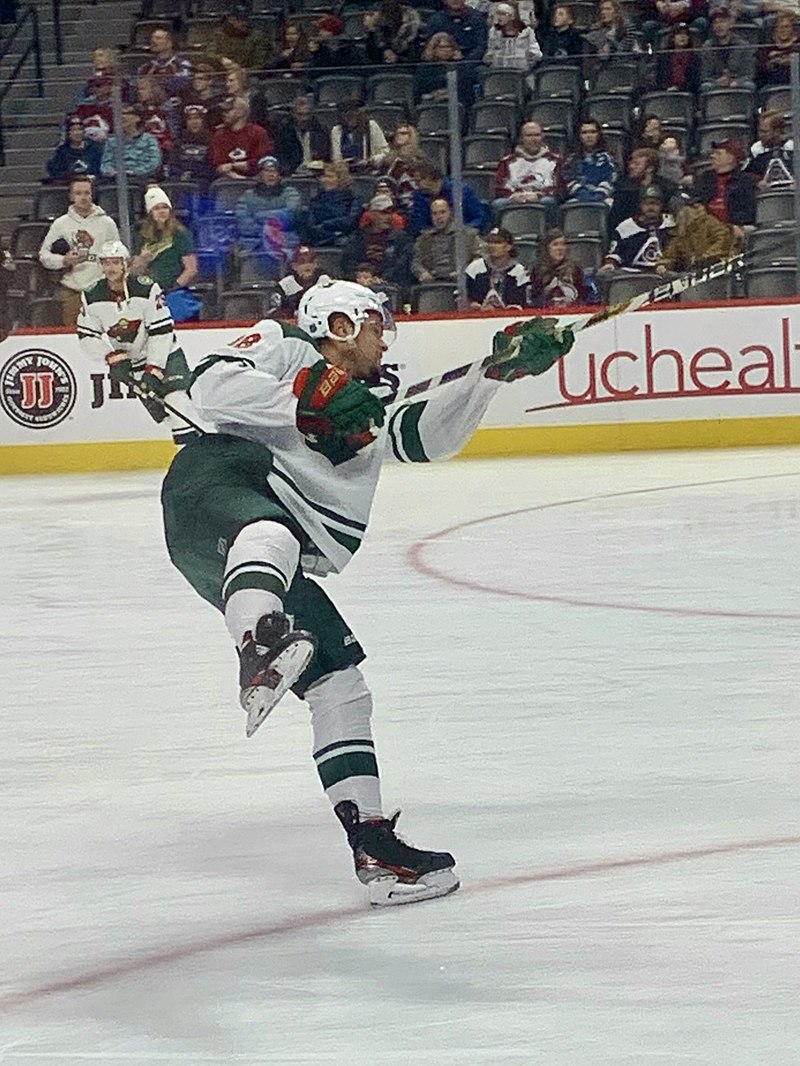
column 125, row 321
column 292, row 471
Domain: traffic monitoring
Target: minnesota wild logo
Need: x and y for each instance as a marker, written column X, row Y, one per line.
column 125, row 330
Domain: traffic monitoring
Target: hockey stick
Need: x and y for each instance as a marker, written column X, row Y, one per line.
column 148, row 394
column 655, row 295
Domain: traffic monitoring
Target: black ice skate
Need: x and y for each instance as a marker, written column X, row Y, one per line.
column 393, row 871
column 270, row 663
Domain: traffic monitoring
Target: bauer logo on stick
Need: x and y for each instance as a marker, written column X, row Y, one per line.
column 37, row 389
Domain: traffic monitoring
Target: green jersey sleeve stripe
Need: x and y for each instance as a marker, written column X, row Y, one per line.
column 159, row 329
column 340, row 518
column 210, row 360
column 352, row 544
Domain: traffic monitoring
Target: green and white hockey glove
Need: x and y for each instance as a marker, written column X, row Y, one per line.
column 336, row 414
column 153, row 380
column 120, row 367
column 528, row 348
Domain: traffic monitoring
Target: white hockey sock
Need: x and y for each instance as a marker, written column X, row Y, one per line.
column 259, row 569
column 344, row 751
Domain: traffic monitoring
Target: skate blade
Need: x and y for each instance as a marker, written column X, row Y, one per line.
column 389, row 892
column 284, row 671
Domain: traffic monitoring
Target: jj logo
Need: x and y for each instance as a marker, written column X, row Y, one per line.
column 37, row 389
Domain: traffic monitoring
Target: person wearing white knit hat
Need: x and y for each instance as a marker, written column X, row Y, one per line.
column 164, row 250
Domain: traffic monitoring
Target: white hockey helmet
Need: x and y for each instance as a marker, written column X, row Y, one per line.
column 113, row 250
column 330, row 296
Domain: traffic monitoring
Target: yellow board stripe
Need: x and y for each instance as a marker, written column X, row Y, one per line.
column 496, row 441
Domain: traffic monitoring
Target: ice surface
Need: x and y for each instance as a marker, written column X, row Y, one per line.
column 586, row 688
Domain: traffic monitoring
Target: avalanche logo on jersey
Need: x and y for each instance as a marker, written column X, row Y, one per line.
column 37, row 389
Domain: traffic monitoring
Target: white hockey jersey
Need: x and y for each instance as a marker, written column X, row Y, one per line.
column 245, row 389
column 140, row 323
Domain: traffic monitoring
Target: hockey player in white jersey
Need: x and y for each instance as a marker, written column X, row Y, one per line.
column 125, row 321
column 284, row 488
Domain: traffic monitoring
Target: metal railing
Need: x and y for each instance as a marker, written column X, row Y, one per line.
column 34, row 49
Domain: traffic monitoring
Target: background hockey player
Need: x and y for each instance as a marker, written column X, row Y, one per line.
column 125, row 320
column 284, row 489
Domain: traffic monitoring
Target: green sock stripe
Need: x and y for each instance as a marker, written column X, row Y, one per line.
column 338, row 745
column 251, row 579
column 350, row 764
column 254, row 566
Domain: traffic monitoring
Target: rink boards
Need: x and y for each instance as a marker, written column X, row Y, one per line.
column 671, row 377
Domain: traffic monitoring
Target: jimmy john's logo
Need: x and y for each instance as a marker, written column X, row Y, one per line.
column 37, row 389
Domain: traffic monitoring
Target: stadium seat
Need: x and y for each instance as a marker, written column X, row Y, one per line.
column 624, row 284
column 524, row 220
column 553, row 112
column 339, row 88
column 485, row 150
column 775, row 206
column 719, row 131
column 226, row 191
column 618, row 75
column 669, row 107
column 558, row 79
column 279, row 91
column 584, row 220
column 482, row 181
column 248, row 305
column 49, row 202
column 777, row 280
column 490, row 116
column 503, row 85
column 771, row 244
column 433, row 118
column 26, row 239
column 611, row 110
column 392, row 88
column 587, row 251
column 433, row 296
column 254, row 271
column 727, row 105
column 388, row 117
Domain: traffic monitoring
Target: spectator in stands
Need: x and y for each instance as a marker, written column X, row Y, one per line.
column 775, row 57
column 511, row 44
column 164, row 250
column 641, row 173
column 173, row 71
column 562, row 40
column 155, row 114
column 434, row 257
column 383, row 187
column 393, row 33
column 660, row 15
column 589, row 174
column 141, row 156
column 190, row 157
column 95, row 110
column 699, row 239
column 302, row 142
column 672, row 163
column 333, row 212
column 430, row 76
column 238, row 145
column 610, row 35
column 431, row 185
column 330, row 51
column 267, row 215
column 726, row 60
column 465, row 25
column 638, row 242
column 206, row 90
column 75, row 154
column 71, row 245
column 557, row 280
column 771, row 160
column 399, row 165
column 678, row 64
column 237, row 83
column 383, row 244
column 649, row 134
column 496, row 279
column 235, row 39
column 305, row 272
column 530, row 174
column 358, row 139
column 292, row 52
column 727, row 192
column 105, row 61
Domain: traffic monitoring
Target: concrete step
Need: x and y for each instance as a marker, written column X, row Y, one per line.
column 34, row 138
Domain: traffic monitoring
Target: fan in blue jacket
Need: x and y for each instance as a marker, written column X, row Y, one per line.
column 432, row 185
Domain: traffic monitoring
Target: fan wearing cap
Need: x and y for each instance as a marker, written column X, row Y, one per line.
column 511, row 44
column 272, row 201
column 76, row 154
column 726, row 60
column 638, row 242
column 727, row 192
column 238, row 144
column 330, row 50
column 125, row 322
column 235, row 38
column 383, row 243
column 304, row 274
column 163, row 247
column 141, row 156
column 496, row 279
